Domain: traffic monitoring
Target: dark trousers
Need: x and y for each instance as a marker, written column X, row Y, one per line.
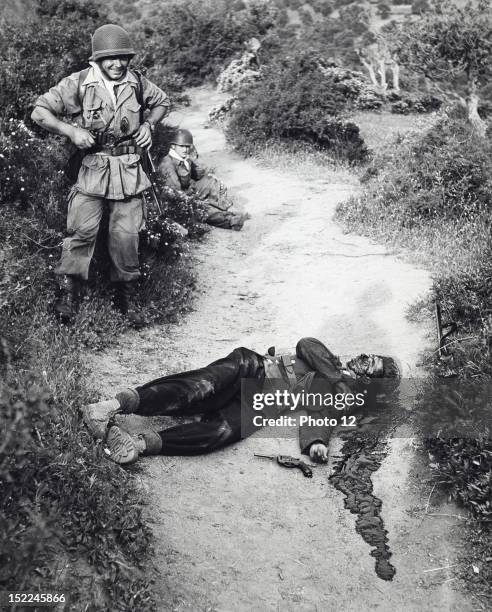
column 214, row 392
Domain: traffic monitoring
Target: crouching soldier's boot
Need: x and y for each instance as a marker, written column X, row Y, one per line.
column 123, row 448
column 66, row 306
column 97, row 416
column 125, row 302
column 237, row 221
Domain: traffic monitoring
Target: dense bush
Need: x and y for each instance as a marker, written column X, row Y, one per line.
column 59, row 498
column 196, row 40
column 406, row 103
column 47, row 47
column 298, row 98
column 444, row 174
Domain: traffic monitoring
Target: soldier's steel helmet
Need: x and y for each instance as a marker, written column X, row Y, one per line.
column 182, row 137
column 111, row 40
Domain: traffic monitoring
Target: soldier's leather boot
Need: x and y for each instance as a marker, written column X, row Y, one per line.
column 66, row 305
column 124, row 448
column 124, row 300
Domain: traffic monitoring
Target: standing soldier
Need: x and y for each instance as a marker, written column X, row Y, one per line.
column 101, row 111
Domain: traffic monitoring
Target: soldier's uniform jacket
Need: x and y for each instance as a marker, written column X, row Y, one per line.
column 179, row 174
column 111, row 177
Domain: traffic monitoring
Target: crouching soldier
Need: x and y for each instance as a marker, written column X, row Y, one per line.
column 101, row 111
column 182, row 171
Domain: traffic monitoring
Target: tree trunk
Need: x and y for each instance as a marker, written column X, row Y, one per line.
column 474, row 118
column 478, row 124
column 371, row 71
column 382, row 74
column 395, row 69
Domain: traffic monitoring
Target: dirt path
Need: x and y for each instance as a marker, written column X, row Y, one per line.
column 234, row 532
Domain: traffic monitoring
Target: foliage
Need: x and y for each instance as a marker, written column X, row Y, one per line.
column 450, row 41
column 30, row 169
column 443, row 174
column 58, row 496
column 298, row 98
column 194, row 40
column 452, row 45
column 46, row 48
column 405, row 103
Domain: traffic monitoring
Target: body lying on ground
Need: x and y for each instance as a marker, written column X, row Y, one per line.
column 217, row 394
column 182, row 171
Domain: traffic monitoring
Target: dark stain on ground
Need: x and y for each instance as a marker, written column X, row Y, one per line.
column 362, row 455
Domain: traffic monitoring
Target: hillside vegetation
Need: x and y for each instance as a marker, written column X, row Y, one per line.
column 61, row 504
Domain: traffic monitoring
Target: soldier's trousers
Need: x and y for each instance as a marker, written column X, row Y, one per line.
column 219, row 211
column 83, row 219
column 213, row 392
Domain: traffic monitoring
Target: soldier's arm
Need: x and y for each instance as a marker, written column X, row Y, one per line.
column 62, row 100
column 198, row 170
column 156, row 102
column 46, row 119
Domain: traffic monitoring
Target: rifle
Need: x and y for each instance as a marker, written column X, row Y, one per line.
column 290, row 462
column 150, row 171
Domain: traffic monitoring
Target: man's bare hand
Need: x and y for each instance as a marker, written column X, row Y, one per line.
column 318, row 452
column 143, row 137
column 81, row 138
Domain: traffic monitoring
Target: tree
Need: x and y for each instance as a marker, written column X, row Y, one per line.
column 452, row 47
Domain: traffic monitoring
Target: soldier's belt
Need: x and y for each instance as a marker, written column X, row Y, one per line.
column 119, row 150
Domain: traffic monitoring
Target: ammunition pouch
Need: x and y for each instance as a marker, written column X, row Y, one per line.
column 105, row 143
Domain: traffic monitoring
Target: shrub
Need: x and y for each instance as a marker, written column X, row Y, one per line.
column 195, row 40
column 50, row 45
column 59, row 498
column 405, row 103
column 301, row 99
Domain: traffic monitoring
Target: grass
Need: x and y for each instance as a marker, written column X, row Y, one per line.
column 381, row 129
column 306, row 161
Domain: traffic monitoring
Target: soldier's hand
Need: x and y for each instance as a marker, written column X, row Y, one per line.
column 143, row 137
column 81, row 138
column 318, row 452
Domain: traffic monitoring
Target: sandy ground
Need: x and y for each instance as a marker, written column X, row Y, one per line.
column 238, row 533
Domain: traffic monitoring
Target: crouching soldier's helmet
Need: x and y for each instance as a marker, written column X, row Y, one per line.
column 110, row 41
column 182, row 137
